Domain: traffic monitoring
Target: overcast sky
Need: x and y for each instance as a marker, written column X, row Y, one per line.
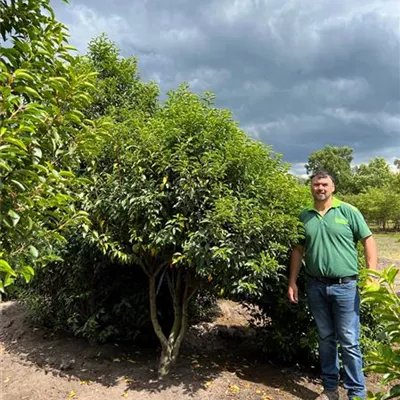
column 297, row 74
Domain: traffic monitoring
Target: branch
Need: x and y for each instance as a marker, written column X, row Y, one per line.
column 176, row 300
column 185, row 306
column 144, row 268
column 153, row 312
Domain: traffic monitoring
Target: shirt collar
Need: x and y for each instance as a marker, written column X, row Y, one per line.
column 335, row 204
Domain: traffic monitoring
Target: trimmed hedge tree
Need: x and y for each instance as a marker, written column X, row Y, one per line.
column 192, row 199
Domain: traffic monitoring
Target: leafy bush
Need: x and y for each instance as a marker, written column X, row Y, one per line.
column 179, row 192
column 287, row 331
column 382, row 295
column 90, row 296
column 99, row 299
column 43, row 134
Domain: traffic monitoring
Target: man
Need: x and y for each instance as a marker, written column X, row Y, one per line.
column 332, row 229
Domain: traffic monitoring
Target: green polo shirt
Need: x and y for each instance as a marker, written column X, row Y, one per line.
column 330, row 243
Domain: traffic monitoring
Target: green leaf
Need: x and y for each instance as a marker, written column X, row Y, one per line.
column 34, row 252
column 5, row 166
column 16, row 142
column 391, row 274
column 393, row 393
column 19, row 184
column 23, row 74
column 27, row 272
column 73, row 117
column 60, row 80
column 51, row 257
column 28, row 90
column 8, row 280
column 14, row 217
column 37, row 154
column 69, row 47
column 5, row 267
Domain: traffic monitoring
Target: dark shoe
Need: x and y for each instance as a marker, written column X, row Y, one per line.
column 328, row 395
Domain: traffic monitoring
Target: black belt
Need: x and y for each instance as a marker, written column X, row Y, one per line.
column 329, row 281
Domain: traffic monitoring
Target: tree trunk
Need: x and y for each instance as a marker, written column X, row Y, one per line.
column 168, row 356
column 181, row 292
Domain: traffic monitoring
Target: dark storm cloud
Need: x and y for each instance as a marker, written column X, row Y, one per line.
column 296, row 74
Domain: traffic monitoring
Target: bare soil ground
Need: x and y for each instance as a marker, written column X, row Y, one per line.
column 38, row 365
column 216, row 363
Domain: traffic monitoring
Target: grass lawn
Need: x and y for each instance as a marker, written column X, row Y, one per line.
column 388, row 246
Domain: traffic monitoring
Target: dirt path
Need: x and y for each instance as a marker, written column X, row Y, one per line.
column 36, row 365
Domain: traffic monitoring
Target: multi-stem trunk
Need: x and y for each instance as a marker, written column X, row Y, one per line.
column 181, row 289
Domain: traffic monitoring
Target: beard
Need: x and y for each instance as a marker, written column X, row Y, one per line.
column 321, row 196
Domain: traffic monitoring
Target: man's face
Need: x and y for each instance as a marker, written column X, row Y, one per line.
column 322, row 188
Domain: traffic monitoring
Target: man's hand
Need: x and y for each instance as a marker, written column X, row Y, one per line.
column 295, row 262
column 293, row 293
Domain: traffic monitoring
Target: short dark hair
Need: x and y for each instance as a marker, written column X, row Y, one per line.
column 322, row 173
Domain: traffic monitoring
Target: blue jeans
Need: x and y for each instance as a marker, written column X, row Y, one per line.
column 336, row 310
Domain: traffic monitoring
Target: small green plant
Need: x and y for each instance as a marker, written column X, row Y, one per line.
column 385, row 359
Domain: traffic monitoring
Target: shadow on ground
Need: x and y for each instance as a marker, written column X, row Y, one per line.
column 209, row 358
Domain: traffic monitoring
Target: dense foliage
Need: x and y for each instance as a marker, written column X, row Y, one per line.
column 93, row 297
column 99, row 298
column 43, row 132
column 192, row 199
column 287, row 332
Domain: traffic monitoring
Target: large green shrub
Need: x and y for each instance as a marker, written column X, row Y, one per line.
column 190, row 198
column 180, row 194
column 88, row 293
column 43, row 132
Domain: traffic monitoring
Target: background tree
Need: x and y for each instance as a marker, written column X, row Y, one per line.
column 375, row 174
column 378, row 205
column 337, row 161
column 43, row 132
column 376, row 192
column 119, row 89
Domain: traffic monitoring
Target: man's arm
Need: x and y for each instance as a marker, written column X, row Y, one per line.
column 370, row 252
column 295, row 263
